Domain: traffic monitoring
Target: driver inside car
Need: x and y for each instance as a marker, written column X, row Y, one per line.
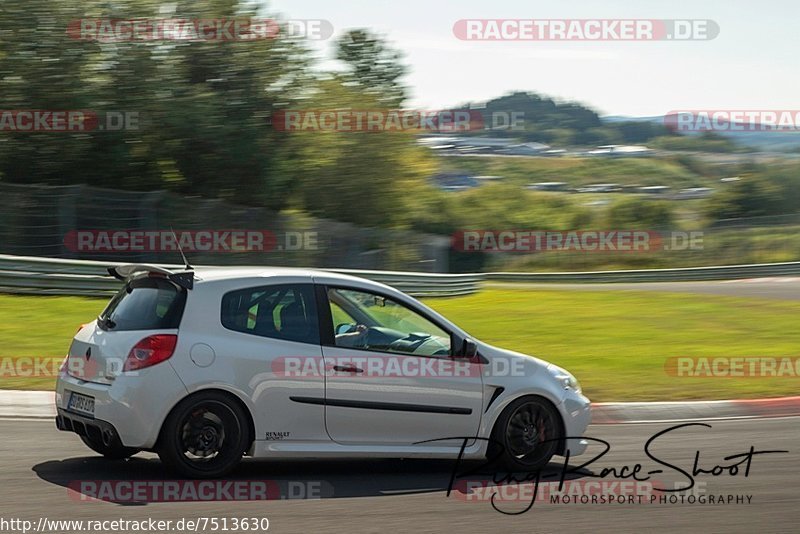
column 356, row 338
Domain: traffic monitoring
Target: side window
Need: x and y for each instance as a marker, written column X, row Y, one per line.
column 363, row 320
column 285, row 311
column 340, row 317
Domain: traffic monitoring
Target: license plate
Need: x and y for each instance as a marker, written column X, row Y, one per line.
column 81, row 404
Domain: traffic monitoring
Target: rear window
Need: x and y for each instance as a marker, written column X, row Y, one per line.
column 145, row 304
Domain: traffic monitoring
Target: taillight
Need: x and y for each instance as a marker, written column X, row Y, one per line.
column 150, row 351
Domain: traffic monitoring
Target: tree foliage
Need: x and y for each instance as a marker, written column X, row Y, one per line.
column 546, row 120
column 203, row 109
column 751, row 197
column 373, row 66
column 641, row 213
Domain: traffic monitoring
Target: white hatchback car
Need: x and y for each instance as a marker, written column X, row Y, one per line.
column 205, row 366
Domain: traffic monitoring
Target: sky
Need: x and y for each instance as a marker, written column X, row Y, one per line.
column 750, row 65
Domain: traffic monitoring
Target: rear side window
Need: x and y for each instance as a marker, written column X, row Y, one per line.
column 286, row 311
column 145, row 304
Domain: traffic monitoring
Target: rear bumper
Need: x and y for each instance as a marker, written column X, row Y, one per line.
column 94, row 429
column 133, row 406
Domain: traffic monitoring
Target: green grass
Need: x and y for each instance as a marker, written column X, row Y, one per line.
column 616, row 343
column 39, row 327
column 719, row 247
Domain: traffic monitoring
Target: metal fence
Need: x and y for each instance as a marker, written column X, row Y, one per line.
column 36, row 220
column 44, row 276
column 688, row 274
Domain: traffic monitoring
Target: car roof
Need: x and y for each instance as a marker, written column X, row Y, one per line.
column 228, row 273
column 225, row 275
column 222, row 274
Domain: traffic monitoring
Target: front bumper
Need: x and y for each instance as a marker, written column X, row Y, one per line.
column 576, row 411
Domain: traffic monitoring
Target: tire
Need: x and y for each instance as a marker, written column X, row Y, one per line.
column 204, row 436
column 112, row 452
column 527, row 435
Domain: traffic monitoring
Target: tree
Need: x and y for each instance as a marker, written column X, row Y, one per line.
column 367, row 178
column 641, row 213
column 599, row 137
column 201, row 105
column 750, row 197
column 373, row 66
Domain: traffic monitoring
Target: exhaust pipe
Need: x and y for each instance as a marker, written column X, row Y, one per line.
column 109, row 437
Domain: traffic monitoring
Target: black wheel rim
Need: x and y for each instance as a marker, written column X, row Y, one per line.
column 531, row 433
column 207, row 433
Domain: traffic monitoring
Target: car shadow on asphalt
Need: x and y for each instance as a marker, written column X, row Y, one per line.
column 142, row 479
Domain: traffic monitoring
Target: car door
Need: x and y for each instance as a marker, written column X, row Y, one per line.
column 271, row 336
column 391, row 375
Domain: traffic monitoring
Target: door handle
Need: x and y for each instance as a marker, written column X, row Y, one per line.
column 347, row 369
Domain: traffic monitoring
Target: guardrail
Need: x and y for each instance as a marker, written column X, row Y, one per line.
column 47, row 276
column 687, row 274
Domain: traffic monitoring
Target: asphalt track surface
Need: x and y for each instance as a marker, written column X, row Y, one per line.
column 394, row 496
column 787, row 288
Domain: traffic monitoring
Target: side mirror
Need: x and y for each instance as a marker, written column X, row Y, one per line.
column 469, row 350
column 344, row 328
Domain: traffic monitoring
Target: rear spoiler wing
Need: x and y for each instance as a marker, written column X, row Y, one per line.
column 184, row 279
